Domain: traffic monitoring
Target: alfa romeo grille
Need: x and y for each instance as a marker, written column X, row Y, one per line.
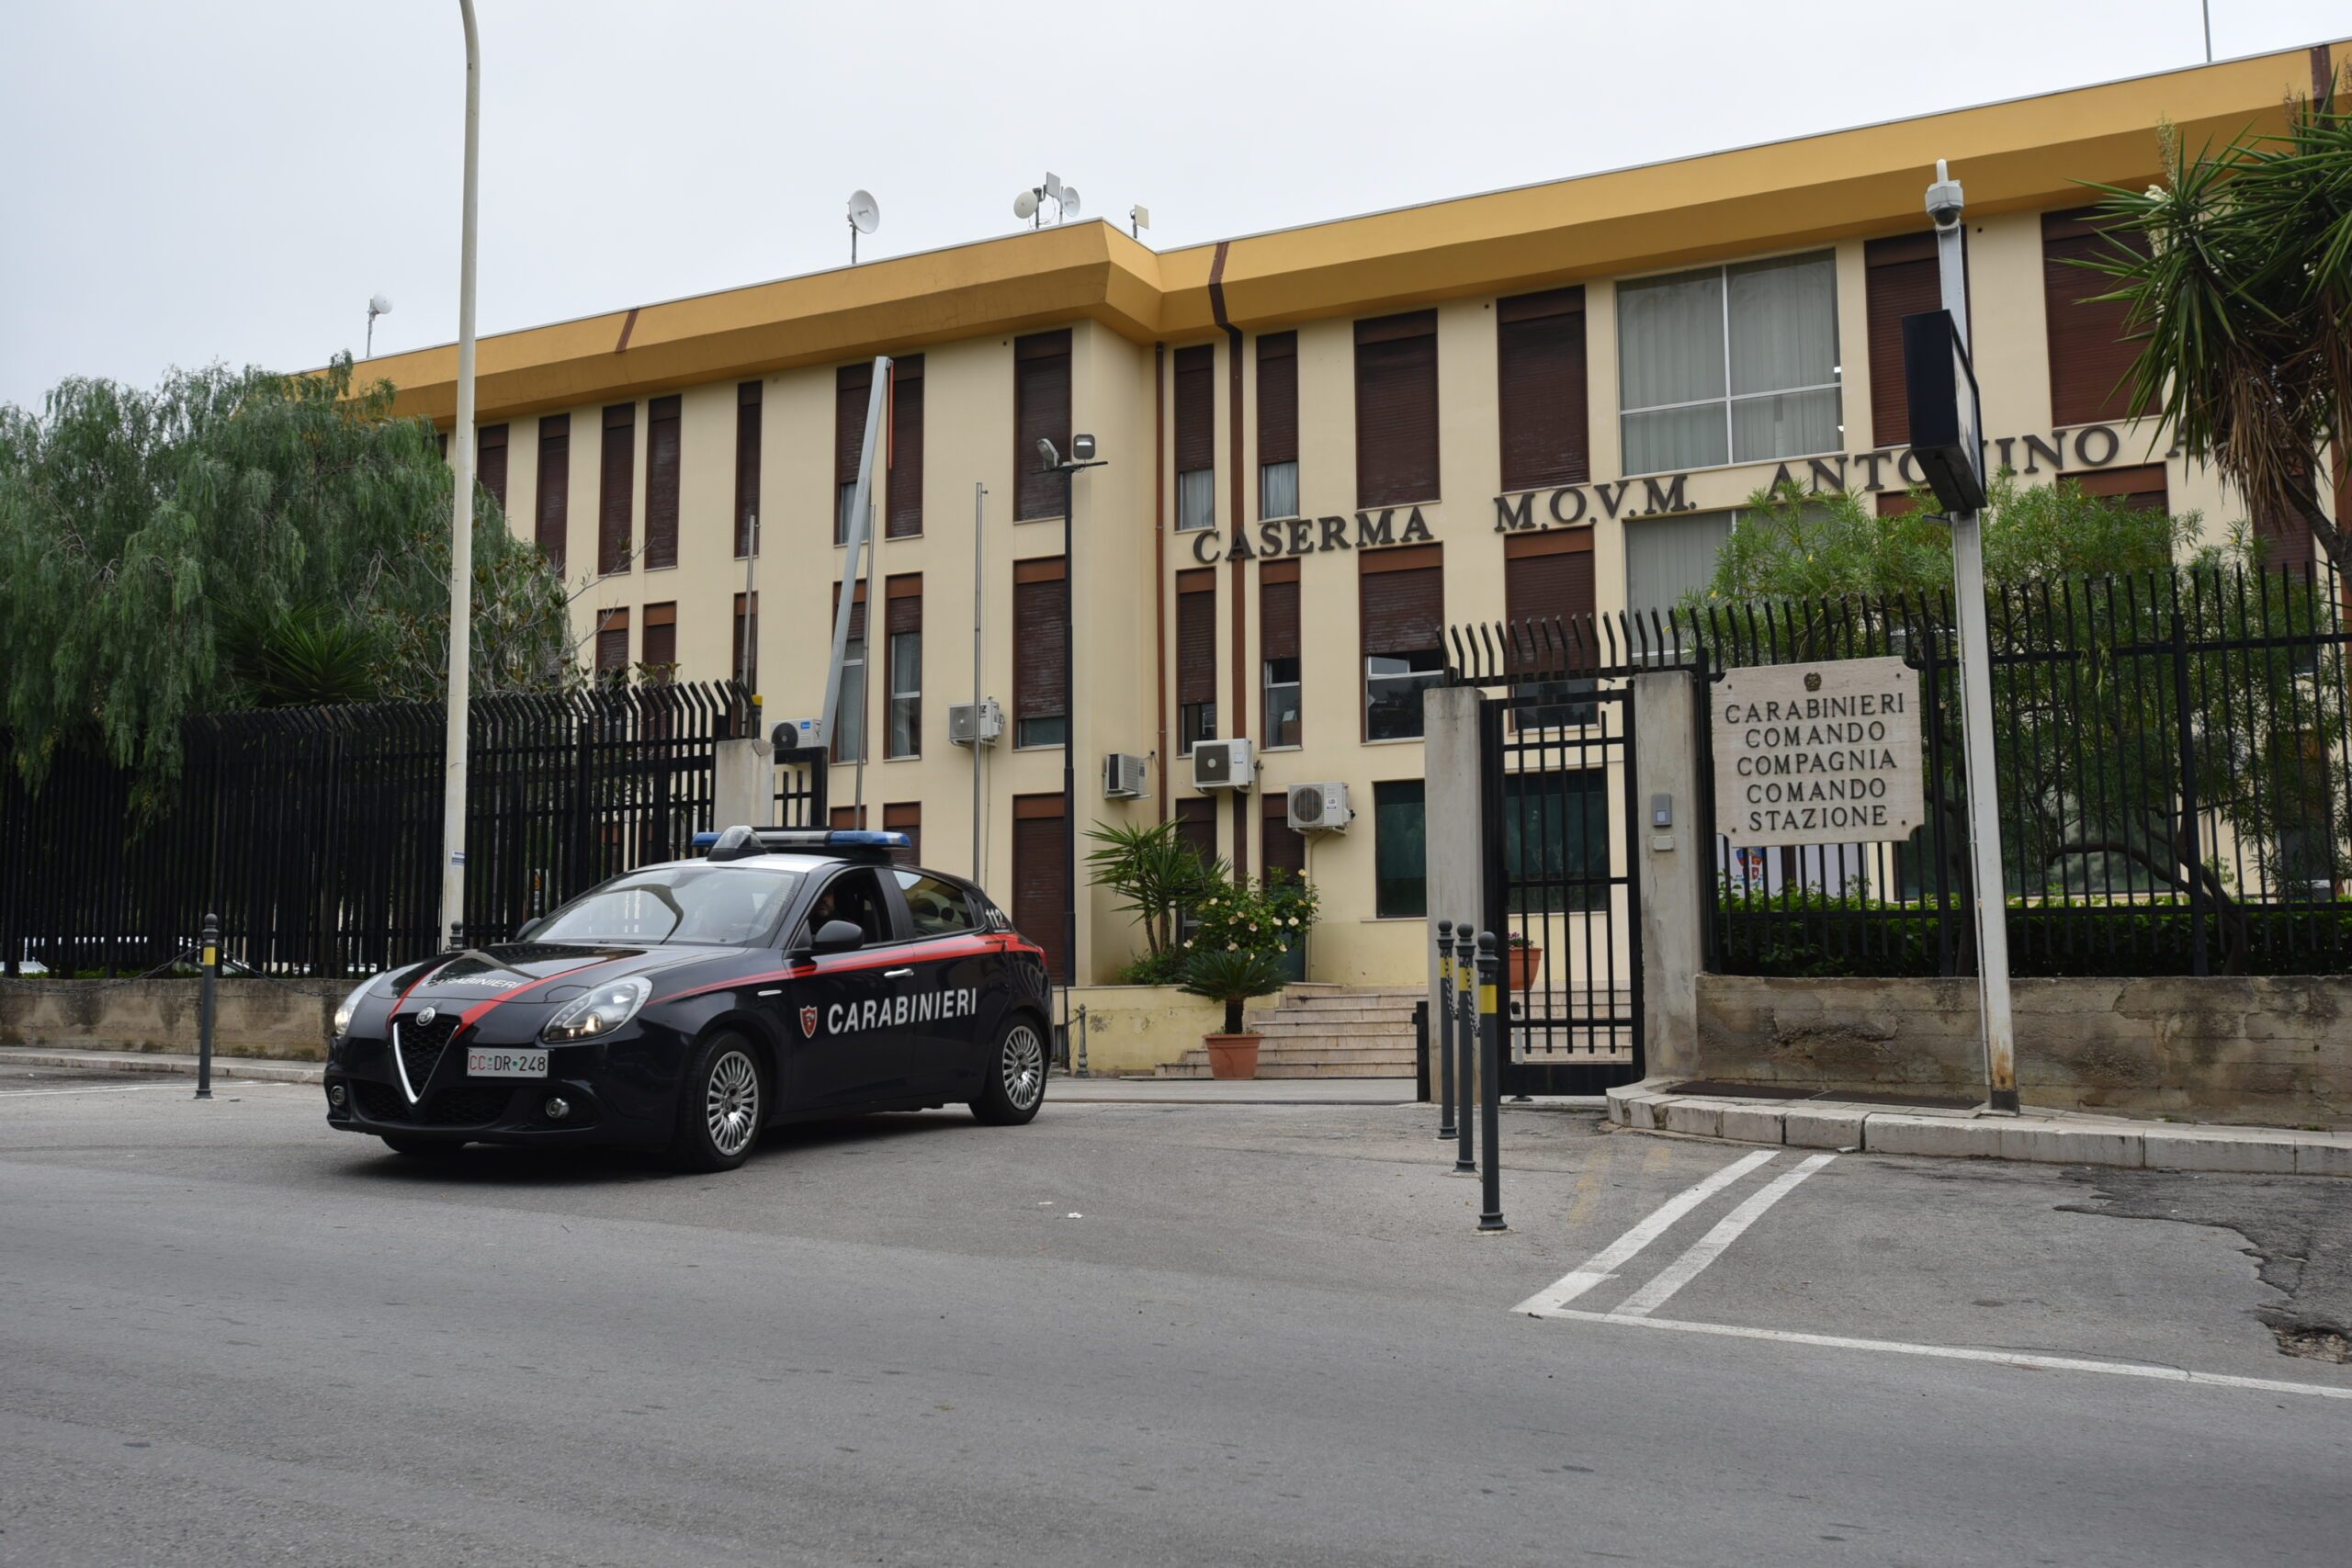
column 471, row 1107
column 421, row 1045
column 380, row 1102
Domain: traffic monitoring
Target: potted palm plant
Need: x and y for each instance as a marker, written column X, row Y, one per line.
column 1233, row 975
column 1525, row 960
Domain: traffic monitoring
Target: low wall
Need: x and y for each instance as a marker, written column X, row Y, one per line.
column 1133, row 1029
column 2272, row 1050
column 287, row 1019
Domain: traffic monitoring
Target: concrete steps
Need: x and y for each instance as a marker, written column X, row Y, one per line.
column 1326, row 1031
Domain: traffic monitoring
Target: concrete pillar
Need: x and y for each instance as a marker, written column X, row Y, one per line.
column 1674, row 866
column 1452, row 795
column 742, row 785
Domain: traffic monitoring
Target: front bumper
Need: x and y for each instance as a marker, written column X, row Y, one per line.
column 611, row 1093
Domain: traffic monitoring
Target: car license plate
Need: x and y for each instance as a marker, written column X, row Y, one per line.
column 506, row 1064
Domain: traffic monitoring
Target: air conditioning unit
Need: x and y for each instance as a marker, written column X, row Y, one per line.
column 1222, row 765
column 1122, row 777
column 1321, row 809
column 985, row 719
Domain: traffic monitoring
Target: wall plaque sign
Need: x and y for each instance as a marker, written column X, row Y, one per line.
column 1824, row 754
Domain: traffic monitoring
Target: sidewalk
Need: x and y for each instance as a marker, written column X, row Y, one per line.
column 1064, row 1091
column 2044, row 1136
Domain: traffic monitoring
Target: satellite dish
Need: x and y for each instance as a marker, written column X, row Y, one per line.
column 865, row 216
column 1025, row 206
column 379, row 306
column 1070, row 201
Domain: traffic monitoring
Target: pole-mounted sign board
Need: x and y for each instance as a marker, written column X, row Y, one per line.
column 1823, row 753
column 1947, row 431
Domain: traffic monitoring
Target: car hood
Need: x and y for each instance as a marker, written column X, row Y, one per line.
column 536, row 971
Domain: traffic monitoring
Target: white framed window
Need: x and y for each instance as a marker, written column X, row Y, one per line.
column 905, row 738
column 1196, row 500
column 1730, row 365
column 1278, row 489
column 849, row 724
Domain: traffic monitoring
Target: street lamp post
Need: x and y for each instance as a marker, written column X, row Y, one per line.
column 1081, row 448
column 461, row 523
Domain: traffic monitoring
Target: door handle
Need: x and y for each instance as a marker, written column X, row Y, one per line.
column 895, row 974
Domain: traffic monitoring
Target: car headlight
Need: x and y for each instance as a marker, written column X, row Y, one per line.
column 343, row 1015
column 604, row 1008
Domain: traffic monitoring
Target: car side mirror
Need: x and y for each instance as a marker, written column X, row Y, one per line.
column 838, row 936
column 523, row 933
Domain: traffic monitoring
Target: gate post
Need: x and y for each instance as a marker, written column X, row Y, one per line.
column 1674, row 864
column 742, row 788
column 1455, row 846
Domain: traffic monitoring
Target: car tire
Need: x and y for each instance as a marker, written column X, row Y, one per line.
column 418, row 1148
column 1013, row 1085
column 722, row 1106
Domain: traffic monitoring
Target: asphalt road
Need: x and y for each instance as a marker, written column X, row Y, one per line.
column 1194, row 1334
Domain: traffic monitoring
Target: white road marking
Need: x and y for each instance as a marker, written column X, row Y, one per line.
column 1960, row 1353
column 1712, row 1246
column 127, row 1089
column 1602, row 1266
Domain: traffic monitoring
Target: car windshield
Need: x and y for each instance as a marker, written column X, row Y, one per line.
column 725, row 907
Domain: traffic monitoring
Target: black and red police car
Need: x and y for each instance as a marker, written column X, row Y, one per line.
column 686, row 1006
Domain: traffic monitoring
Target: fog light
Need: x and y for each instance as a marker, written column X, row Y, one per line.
column 336, row 1095
column 557, row 1108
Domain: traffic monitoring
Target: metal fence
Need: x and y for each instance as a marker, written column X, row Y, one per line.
column 2174, row 758
column 315, row 833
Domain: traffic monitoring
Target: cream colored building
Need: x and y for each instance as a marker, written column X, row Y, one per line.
column 1527, row 383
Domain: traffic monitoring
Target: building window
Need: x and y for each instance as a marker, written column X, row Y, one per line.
column 612, row 643
column 1040, row 870
column 1284, row 848
column 1040, row 409
column 747, row 469
column 617, row 485
column 1195, row 658
column 902, row 660
column 2091, row 355
column 906, row 447
column 853, row 388
column 1401, row 603
column 924, row 896
column 490, row 462
column 2140, row 488
column 661, row 642
column 1399, row 851
column 553, row 514
column 1396, row 410
column 745, row 651
column 1278, row 646
column 661, row 483
column 1539, row 352
column 1196, row 826
column 1196, row 437
column 1900, row 278
column 848, row 723
column 1548, row 602
column 1040, row 596
column 1732, row 364
column 1278, row 425
column 1667, row 558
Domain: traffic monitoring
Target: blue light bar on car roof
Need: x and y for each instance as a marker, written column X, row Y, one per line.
column 738, row 842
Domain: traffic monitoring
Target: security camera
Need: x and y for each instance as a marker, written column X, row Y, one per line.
column 1945, row 202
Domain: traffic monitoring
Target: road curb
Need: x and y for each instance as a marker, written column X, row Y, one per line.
column 2041, row 1138
column 144, row 1062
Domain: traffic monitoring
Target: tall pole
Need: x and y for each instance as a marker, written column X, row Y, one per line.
column 1069, row 730
column 980, row 518
column 2208, row 8
column 1945, row 204
column 461, row 522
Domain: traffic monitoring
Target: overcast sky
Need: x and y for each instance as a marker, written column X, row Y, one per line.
column 232, row 179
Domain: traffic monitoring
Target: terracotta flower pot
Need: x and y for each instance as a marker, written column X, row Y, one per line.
column 1525, row 963
column 1232, row 1055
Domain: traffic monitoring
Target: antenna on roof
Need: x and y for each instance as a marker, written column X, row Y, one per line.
column 865, row 217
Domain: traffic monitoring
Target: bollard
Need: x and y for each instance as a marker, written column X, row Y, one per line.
column 209, row 969
column 1081, row 1041
column 1441, row 1028
column 1465, row 1026
column 1490, row 1085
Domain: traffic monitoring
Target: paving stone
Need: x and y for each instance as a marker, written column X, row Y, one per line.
column 2056, row 1144
column 1895, row 1132
column 1752, row 1124
column 1704, row 1118
column 1823, row 1127
column 2218, row 1148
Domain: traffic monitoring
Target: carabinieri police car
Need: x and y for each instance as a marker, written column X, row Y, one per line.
column 685, row 1006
